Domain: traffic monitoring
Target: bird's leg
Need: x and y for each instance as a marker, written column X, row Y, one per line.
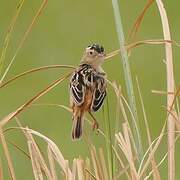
column 95, row 123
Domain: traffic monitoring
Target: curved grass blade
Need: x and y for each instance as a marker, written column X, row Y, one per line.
column 156, row 174
column 7, row 155
column 139, row 20
column 6, row 119
column 170, row 88
column 24, row 37
column 34, row 70
column 130, row 46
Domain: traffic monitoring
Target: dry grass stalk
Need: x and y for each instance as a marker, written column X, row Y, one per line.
column 176, row 118
column 37, row 156
column 34, row 70
column 96, row 164
column 124, row 103
column 9, row 33
column 151, row 172
column 138, row 21
column 124, row 168
column 125, row 145
column 53, row 154
column 87, row 168
column 7, row 154
column 91, row 175
column 18, row 147
column 51, row 163
column 56, row 154
column 128, row 142
column 103, row 164
column 143, row 167
column 38, row 13
column 121, row 100
column 122, row 108
column 156, row 174
column 80, row 169
column 161, row 92
column 10, row 116
column 35, row 163
column 170, row 88
column 1, row 172
column 74, row 167
column 153, row 150
column 129, row 47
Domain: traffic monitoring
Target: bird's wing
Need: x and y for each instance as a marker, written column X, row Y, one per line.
column 79, row 83
column 99, row 94
column 77, row 88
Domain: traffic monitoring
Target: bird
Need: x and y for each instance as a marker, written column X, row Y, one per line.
column 87, row 87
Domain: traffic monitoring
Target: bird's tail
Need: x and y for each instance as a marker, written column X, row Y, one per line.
column 77, row 124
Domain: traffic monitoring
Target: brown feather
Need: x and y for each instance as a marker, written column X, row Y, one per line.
column 78, row 114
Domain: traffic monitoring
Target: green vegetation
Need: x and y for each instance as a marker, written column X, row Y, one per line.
column 40, row 45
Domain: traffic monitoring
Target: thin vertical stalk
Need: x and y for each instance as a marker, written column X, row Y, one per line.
column 9, row 33
column 1, row 170
column 7, row 155
column 128, row 78
column 38, row 13
column 170, row 88
column 106, row 118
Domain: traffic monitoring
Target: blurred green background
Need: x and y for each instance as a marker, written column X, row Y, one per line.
column 59, row 36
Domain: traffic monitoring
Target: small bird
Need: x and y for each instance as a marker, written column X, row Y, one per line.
column 87, row 87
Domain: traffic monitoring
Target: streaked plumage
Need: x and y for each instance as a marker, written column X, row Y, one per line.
column 87, row 87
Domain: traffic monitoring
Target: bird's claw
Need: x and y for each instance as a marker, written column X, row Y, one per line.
column 95, row 125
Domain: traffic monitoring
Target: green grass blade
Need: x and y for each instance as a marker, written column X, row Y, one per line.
column 128, row 78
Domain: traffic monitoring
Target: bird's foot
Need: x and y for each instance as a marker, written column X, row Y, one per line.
column 95, row 125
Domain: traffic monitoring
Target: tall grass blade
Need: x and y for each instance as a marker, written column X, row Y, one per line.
column 103, row 164
column 7, row 155
column 96, row 164
column 125, row 146
column 155, row 171
column 74, row 167
column 80, row 169
column 124, row 169
column 157, row 141
column 128, row 78
column 108, row 138
column 170, row 88
column 9, row 32
column 1, row 171
column 139, row 20
column 38, row 13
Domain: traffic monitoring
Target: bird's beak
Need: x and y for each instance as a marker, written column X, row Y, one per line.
column 102, row 55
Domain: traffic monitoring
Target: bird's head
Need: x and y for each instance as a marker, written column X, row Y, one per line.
column 94, row 55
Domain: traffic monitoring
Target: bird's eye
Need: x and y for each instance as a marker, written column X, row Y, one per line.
column 90, row 52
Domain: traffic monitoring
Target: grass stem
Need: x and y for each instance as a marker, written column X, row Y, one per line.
column 128, row 78
column 170, row 88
